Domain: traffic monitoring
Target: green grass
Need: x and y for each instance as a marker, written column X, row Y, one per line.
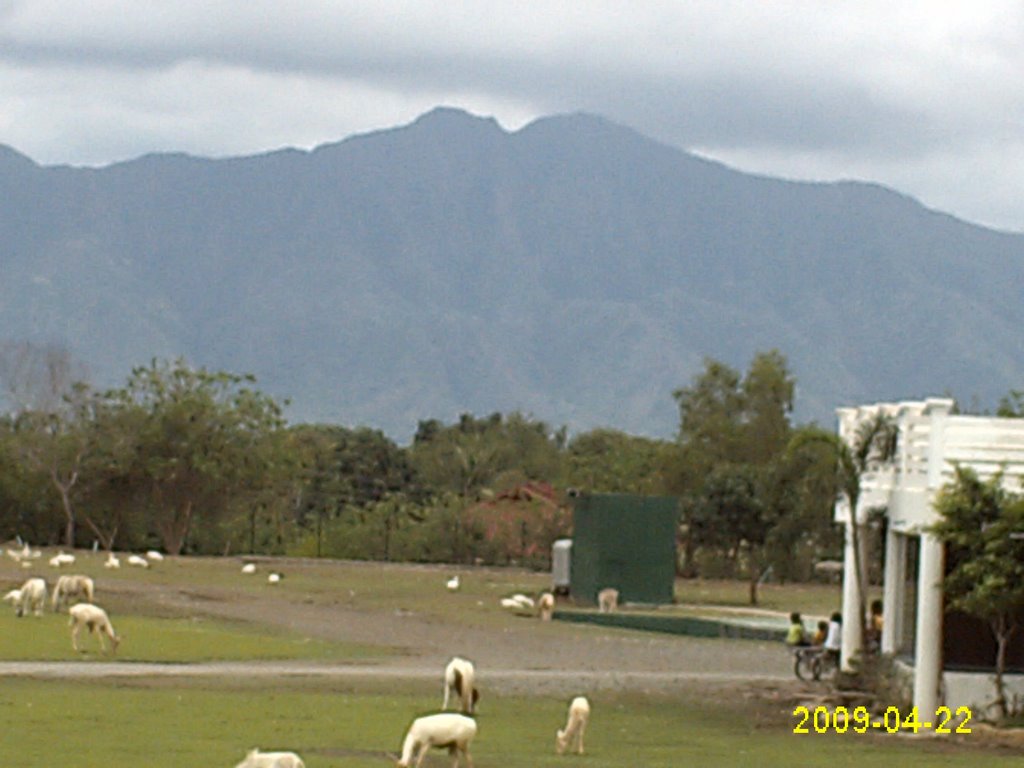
column 48, row 638
column 364, row 585
column 402, row 586
column 808, row 599
column 198, row 721
column 181, row 723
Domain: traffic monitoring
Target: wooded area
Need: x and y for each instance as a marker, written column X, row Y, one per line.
column 195, row 461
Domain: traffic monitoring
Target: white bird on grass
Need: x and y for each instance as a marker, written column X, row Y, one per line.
column 518, row 602
column 61, row 559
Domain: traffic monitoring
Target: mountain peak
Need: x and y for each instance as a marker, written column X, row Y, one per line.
column 11, row 158
column 573, row 269
column 454, row 118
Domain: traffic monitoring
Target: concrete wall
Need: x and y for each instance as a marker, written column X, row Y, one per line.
column 933, row 441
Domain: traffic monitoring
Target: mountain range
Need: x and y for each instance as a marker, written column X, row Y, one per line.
column 573, row 270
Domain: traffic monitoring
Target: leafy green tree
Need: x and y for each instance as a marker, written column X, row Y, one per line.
column 767, row 400
column 610, row 461
column 730, row 426
column 710, row 414
column 709, row 411
column 23, row 493
column 43, row 388
column 53, row 444
column 319, row 494
column 204, row 443
column 460, row 459
column 874, row 444
column 470, row 455
column 347, row 470
column 1011, row 406
column 803, row 493
column 474, row 458
column 111, row 496
column 731, row 515
column 982, row 526
column 389, row 516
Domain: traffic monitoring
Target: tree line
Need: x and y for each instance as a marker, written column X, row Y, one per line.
column 197, row 461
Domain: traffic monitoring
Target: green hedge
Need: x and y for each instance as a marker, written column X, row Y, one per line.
column 673, row 625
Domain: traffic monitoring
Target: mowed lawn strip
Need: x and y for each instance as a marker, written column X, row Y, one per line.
column 185, row 723
column 48, row 638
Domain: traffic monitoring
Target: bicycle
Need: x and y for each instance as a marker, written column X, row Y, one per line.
column 803, row 661
column 812, row 662
column 826, row 665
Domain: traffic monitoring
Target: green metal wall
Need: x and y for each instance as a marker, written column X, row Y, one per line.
column 624, row 541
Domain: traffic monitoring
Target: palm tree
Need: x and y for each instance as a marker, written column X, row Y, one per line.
column 874, row 443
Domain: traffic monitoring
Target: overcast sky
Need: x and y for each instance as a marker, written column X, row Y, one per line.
column 925, row 97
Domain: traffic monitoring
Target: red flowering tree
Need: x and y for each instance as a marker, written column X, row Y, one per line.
column 520, row 524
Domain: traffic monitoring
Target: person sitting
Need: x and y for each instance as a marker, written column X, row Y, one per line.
column 796, row 636
column 874, row 628
column 819, row 636
column 834, row 638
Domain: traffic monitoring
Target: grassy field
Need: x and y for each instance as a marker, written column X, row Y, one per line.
column 370, row 586
column 377, row 586
column 808, row 599
column 167, row 640
column 172, row 721
column 180, row 723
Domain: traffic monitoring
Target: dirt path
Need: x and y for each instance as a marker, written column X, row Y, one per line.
column 510, row 681
column 527, row 653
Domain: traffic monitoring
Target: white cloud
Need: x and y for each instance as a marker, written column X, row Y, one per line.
column 55, row 115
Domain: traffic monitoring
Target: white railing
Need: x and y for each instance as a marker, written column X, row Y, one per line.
column 928, row 432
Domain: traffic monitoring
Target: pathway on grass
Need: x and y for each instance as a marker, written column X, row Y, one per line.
column 421, row 642
column 504, row 679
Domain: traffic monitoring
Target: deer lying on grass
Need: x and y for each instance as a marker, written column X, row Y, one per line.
column 257, row 759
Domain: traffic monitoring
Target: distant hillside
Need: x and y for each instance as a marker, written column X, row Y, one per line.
column 574, row 270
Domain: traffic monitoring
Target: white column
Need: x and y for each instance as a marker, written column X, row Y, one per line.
column 851, row 599
column 894, row 590
column 928, row 636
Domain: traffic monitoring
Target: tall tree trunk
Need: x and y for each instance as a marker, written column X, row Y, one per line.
column 69, row 515
column 387, row 537
column 1002, row 628
column 175, row 530
column 689, row 570
column 319, row 532
column 64, row 489
column 106, row 539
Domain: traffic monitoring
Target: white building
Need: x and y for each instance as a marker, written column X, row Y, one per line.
column 932, row 440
